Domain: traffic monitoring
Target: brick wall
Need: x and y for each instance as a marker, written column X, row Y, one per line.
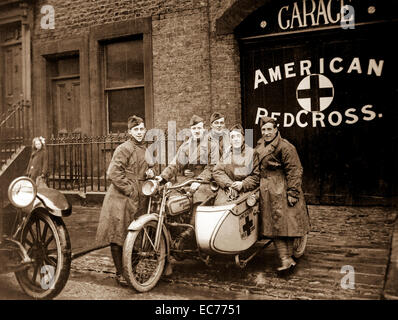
column 194, row 71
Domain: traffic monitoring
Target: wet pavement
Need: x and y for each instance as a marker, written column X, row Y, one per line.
column 341, row 238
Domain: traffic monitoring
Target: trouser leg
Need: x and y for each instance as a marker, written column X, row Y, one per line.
column 290, row 241
column 187, row 237
column 117, row 256
column 284, row 247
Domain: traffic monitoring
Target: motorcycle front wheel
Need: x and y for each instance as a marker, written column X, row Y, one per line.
column 142, row 264
column 47, row 243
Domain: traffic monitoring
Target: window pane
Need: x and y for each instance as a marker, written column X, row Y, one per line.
column 67, row 66
column 123, row 104
column 124, row 63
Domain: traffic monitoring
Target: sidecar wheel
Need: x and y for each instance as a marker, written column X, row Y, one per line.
column 143, row 266
column 47, row 242
column 299, row 246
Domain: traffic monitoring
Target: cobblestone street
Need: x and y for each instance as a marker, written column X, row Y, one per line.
column 340, row 236
column 359, row 237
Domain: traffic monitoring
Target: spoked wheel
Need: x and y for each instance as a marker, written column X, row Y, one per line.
column 143, row 265
column 47, row 243
column 299, row 246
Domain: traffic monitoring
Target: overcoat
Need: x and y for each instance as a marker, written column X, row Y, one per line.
column 279, row 168
column 38, row 164
column 196, row 156
column 124, row 200
column 234, row 167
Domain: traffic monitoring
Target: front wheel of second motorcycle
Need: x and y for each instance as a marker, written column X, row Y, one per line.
column 142, row 264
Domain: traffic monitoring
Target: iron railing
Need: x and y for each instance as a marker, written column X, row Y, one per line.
column 80, row 163
column 13, row 131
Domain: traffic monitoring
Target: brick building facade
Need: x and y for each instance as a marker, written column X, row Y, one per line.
column 191, row 69
column 86, row 65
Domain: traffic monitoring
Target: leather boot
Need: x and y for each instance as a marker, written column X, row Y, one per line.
column 117, row 256
column 183, row 241
column 282, row 248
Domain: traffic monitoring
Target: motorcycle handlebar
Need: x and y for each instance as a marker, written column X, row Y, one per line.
column 190, row 181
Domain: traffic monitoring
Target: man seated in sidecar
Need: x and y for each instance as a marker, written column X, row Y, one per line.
column 230, row 225
column 233, row 173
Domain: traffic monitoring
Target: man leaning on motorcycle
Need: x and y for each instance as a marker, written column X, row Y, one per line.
column 196, row 158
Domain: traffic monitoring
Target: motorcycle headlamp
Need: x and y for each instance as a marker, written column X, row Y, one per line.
column 149, row 187
column 22, row 192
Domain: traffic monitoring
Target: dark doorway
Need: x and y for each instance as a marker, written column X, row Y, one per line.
column 334, row 94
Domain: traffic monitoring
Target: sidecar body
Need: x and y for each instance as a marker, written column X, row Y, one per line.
column 227, row 229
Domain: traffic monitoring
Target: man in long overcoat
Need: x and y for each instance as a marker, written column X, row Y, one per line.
column 283, row 208
column 124, row 202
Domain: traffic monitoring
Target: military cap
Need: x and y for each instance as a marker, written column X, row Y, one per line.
column 215, row 116
column 195, row 120
column 237, row 127
column 264, row 120
column 134, row 121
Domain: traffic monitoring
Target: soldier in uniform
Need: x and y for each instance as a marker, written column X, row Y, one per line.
column 124, row 202
column 284, row 214
column 193, row 158
column 233, row 173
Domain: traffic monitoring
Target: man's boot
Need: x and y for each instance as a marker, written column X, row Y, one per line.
column 282, row 248
column 117, row 255
column 182, row 242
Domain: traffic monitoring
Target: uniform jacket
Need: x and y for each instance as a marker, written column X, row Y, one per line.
column 38, row 164
column 278, row 166
column 199, row 157
column 124, row 201
column 235, row 167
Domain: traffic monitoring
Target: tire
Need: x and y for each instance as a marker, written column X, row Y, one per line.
column 299, row 246
column 142, row 266
column 51, row 254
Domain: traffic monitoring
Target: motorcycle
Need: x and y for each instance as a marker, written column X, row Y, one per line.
column 230, row 229
column 37, row 248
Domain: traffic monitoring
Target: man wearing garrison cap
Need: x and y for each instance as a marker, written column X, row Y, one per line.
column 191, row 155
column 233, row 173
column 284, row 215
column 123, row 202
column 192, row 160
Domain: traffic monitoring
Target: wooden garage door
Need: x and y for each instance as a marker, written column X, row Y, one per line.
column 335, row 96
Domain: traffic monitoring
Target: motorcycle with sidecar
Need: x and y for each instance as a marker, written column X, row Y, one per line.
column 230, row 229
column 36, row 245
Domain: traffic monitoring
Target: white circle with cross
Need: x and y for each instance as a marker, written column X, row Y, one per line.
column 315, row 93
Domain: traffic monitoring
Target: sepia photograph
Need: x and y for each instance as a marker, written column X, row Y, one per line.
column 198, row 155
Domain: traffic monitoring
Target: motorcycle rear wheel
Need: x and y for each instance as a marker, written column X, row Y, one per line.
column 142, row 265
column 47, row 242
column 299, row 246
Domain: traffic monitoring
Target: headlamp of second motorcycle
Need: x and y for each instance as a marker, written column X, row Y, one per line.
column 149, row 187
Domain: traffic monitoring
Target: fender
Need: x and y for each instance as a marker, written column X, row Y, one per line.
column 142, row 220
column 53, row 201
column 137, row 224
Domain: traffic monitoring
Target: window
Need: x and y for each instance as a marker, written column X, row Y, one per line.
column 124, row 82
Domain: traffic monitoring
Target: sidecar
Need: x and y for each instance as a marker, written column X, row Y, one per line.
column 230, row 228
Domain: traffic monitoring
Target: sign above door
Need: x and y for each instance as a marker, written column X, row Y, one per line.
column 287, row 16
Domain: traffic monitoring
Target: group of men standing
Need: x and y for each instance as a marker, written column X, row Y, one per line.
column 221, row 155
